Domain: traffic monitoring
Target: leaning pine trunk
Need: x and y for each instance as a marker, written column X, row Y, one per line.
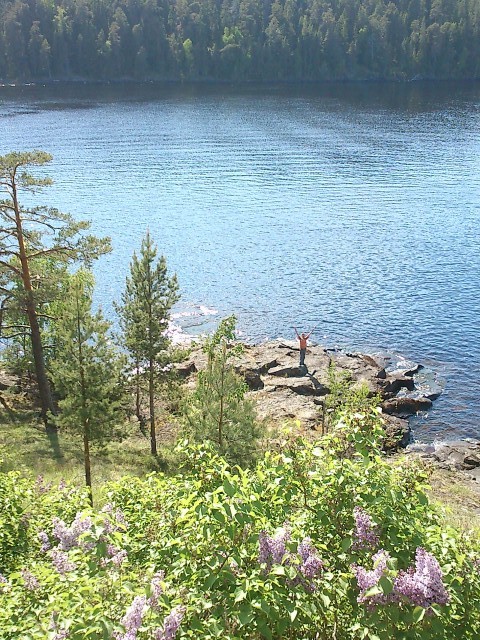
column 37, row 347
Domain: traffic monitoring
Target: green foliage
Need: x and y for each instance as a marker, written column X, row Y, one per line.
column 86, row 369
column 13, row 533
column 149, row 295
column 250, row 40
column 203, row 530
column 36, row 243
column 217, row 410
column 345, row 398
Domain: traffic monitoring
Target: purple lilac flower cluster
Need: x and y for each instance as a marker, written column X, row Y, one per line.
column 368, row 579
column 156, row 588
column 40, row 485
column 132, row 620
column 422, row 585
column 61, row 561
column 45, row 540
column 365, row 535
column 115, row 521
column 311, row 564
column 60, row 634
column 273, row 550
column 68, row 536
column 30, row 581
column 171, row 625
column 117, row 556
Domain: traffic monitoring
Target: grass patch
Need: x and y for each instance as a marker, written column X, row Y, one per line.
column 27, row 447
column 459, row 496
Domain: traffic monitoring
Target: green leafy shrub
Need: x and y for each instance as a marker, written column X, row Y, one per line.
column 318, row 541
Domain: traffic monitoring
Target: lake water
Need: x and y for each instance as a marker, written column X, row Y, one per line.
column 354, row 208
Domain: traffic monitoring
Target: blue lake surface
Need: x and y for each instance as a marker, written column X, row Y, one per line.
column 352, row 207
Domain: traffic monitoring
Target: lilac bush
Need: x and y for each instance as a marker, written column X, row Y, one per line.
column 296, row 581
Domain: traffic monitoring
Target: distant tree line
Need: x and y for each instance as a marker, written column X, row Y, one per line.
column 239, row 40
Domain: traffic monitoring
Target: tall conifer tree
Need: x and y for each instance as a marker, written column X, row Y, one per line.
column 86, row 370
column 149, row 295
column 28, row 236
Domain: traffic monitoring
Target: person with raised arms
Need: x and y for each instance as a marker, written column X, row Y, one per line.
column 303, row 344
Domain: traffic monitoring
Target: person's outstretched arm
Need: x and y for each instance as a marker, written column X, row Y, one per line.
column 296, row 332
column 309, row 334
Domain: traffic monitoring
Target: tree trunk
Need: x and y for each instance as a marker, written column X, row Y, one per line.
column 37, row 347
column 86, row 427
column 138, row 409
column 86, row 460
column 222, row 397
column 38, row 357
column 153, row 437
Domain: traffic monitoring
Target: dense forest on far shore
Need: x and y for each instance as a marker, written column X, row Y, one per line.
column 239, row 40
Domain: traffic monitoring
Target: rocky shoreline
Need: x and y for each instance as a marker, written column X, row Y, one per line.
column 285, row 392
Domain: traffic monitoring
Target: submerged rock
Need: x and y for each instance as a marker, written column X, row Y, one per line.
column 406, row 406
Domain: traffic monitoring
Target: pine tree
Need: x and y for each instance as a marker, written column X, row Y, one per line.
column 149, row 295
column 218, row 410
column 27, row 237
column 86, row 370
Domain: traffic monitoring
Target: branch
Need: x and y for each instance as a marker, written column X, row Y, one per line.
column 11, row 267
column 14, row 335
column 37, row 221
column 45, row 252
column 16, row 326
column 9, row 252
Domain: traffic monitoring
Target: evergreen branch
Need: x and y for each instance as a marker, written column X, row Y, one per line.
column 53, row 250
column 9, row 266
column 13, row 335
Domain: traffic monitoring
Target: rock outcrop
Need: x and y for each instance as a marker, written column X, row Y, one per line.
column 285, row 391
column 459, row 455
